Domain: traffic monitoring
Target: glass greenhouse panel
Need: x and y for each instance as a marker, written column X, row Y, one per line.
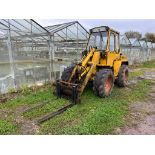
column 23, row 24
column 83, row 33
column 29, row 49
column 16, row 25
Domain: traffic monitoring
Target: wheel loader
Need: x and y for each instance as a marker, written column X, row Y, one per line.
column 102, row 63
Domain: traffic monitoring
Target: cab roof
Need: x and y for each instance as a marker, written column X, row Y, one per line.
column 101, row 29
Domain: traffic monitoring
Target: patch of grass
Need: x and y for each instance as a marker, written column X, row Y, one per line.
column 148, row 64
column 23, row 98
column 29, row 98
column 7, row 128
column 51, row 106
column 135, row 74
column 96, row 115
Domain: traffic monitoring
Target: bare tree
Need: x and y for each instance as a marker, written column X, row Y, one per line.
column 133, row 34
column 150, row 37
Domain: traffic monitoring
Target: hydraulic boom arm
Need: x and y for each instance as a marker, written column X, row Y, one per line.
column 81, row 74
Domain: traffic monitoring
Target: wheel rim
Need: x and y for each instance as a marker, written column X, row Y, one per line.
column 108, row 85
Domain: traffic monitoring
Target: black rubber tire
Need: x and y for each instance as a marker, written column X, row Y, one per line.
column 122, row 80
column 67, row 73
column 100, row 81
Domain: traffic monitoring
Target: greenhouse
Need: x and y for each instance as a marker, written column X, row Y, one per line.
column 144, row 52
column 143, row 43
column 125, row 43
column 149, row 45
column 69, row 39
column 135, row 43
column 31, row 54
column 124, row 40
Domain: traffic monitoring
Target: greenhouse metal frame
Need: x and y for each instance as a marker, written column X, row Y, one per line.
column 25, row 45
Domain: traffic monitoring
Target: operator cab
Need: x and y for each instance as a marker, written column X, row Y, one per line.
column 98, row 39
column 104, row 39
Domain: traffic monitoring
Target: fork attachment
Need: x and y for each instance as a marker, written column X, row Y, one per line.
column 68, row 90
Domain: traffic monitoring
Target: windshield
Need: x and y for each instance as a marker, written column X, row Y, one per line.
column 99, row 40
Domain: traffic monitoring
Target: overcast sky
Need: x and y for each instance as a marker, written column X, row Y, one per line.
column 122, row 25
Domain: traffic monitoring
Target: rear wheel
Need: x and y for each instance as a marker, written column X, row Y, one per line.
column 122, row 80
column 103, row 82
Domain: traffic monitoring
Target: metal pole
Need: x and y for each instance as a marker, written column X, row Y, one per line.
column 77, row 42
column 66, row 45
column 66, row 33
column 33, row 55
column 50, row 58
column 12, row 66
column 53, row 48
column 51, row 55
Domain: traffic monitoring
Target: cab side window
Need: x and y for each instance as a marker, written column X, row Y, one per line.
column 112, row 42
column 117, row 43
column 98, row 41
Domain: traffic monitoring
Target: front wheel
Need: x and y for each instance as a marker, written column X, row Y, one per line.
column 103, row 82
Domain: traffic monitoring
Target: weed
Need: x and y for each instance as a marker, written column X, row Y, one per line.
column 7, row 128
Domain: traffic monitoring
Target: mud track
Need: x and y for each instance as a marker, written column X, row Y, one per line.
column 141, row 119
